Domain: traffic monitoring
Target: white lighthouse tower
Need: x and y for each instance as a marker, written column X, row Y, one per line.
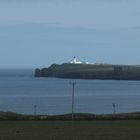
column 74, row 61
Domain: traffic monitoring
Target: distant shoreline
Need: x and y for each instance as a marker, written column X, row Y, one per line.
column 77, row 116
column 90, row 71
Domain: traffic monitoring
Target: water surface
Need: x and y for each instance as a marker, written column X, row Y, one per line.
column 20, row 91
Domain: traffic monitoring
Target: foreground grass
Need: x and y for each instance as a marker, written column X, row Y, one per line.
column 67, row 130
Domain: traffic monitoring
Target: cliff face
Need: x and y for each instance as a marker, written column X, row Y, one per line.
column 84, row 71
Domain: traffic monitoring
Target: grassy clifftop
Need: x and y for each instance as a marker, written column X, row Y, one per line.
column 91, row 71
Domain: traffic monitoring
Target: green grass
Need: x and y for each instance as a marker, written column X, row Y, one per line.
column 67, row 130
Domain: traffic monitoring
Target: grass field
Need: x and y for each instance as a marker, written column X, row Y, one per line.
column 67, row 130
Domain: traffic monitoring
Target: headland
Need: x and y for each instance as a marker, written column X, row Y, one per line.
column 79, row 70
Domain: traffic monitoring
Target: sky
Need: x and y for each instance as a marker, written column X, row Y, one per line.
column 38, row 33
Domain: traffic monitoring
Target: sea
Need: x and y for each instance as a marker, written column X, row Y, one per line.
column 23, row 93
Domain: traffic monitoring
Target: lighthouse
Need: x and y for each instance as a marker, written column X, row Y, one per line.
column 74, row 61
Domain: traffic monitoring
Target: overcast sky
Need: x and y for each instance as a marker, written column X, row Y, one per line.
column 37, row 33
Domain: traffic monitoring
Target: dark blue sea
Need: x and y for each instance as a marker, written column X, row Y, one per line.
column 20, row 91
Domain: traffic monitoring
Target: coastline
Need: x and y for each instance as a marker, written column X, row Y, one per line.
column 90, row 71
column 77, row 116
